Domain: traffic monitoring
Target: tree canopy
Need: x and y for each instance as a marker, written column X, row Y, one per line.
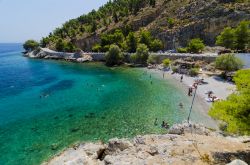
column 227, row 38
column 235, row 38
column 228, row 62
column 166, row 62
column 88, row 24
column 141, row 55
column 30, row 45
column 113, row 56
column 235, row 111
column 195, row 45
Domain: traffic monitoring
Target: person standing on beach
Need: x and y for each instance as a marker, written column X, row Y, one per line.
column 190, row 91
column 163, row 75
column 181, row 77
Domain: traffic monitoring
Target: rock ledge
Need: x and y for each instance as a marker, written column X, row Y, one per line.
column 187, row 144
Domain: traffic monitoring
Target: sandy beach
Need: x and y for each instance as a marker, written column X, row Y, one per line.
column 220, row 88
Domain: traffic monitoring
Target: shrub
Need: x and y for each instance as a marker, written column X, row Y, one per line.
column 156, row 45
column 30, row 45
column 132, row 42
column 97, row 48
column 235, row 111
column 65, row 46
column 182, row 50
column 235, row 38
column 170, row 22
column 153, row 59
column 133, row 58
column 227, row 38
column 141, row 55
column 174, row 69
column 228, row 62
column 242, row 80
column 195, row 46
column 242, row 33
column 166, row 63
column 113, row 56
column 145, row 37
column 193, row 71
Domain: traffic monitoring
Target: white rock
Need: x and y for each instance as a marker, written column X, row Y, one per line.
column 237, row 162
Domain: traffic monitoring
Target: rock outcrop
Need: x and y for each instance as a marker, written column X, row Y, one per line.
column 80, row 56
column 194, row 144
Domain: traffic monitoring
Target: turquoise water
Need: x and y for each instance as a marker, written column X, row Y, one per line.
column 46, row 106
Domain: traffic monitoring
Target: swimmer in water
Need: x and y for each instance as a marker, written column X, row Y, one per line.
column 156, row 121
column 181, row 105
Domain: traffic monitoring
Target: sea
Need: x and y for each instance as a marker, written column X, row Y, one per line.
column 47, row 106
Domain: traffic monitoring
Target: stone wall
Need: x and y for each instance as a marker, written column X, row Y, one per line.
column 95, row 56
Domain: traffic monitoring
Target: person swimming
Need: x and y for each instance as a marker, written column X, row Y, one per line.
column 181, row 105
column 165, row 125
column 156, row 122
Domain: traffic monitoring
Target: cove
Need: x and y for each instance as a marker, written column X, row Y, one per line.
column 46, row 106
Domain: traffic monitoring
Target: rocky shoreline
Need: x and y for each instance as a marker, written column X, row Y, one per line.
column 80, row 57
column 184, row 144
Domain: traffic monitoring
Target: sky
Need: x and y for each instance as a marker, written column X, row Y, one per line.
column 21, row 20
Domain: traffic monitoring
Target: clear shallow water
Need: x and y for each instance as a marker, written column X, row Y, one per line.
column 46, row 106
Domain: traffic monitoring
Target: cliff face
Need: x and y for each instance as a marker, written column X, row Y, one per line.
column 173, row 21
column 203, row 19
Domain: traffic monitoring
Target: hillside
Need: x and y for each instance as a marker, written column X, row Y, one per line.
column 172, row 21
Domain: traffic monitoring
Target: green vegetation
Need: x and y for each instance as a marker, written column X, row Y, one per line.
column 93, row 22
column 235, row 38
column 30, row 45
column 235, row 111
column 128, row 43
column 170, row 22
column 131, row 41
column 156, row 45
column 97, row 48
column 65, row 46
column 114, row 56
column 227, row 38
column 193, row 72
column 182, row 50
column 166, row 62
column 195, row 46
column 242, row 33
column 153, row 59
column 228, row 63
column 141, row 55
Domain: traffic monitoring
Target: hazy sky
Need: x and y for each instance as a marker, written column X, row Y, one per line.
column 32, row 19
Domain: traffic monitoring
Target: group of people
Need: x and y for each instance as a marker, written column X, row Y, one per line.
column 163, row 125
column 190, row 89
column 211, row 97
